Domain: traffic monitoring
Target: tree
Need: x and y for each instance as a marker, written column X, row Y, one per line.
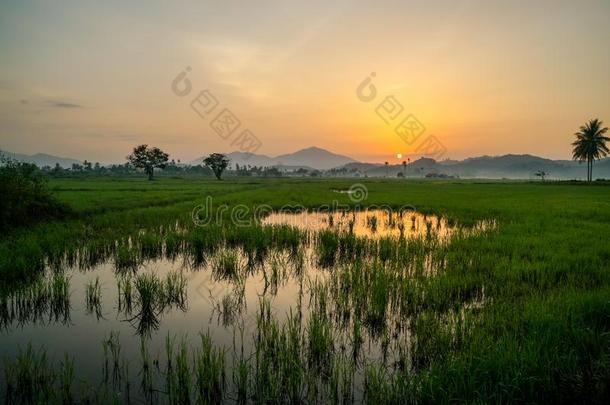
column 541, row 174
column 217, row 162
column 590, row 144
column 26, row 197
column 404, row 168
column 148, row 159
column 386, row 169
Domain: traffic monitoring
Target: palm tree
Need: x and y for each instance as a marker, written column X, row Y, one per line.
column 590, row 144
column 404, row 168
column 386, row 169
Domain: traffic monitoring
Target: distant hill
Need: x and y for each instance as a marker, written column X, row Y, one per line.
column 309, row 158
column 509, row 166
column 314, row 157
column 506, row 166
column 42, row 159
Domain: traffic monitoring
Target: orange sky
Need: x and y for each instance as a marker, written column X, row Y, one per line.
column 91, row 80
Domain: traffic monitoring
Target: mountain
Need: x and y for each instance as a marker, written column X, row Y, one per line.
column 509, row 166
column 313, row 157
column 506, row 166
column 42, row 159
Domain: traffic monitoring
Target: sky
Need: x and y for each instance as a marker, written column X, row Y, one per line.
column 92, row 79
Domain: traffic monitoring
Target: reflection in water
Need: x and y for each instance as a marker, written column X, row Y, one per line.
column 153, row 297
column 371, row 223
column 45, row 301
column 279, row 308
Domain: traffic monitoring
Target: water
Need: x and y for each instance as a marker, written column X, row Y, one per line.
column 371, row 223
column 222, row 298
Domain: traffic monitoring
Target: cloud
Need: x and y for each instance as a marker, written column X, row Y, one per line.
column 62, row 104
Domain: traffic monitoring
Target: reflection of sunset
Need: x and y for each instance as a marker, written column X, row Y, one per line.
column 374, row 224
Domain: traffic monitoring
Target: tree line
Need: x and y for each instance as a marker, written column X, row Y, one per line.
column 590, row 145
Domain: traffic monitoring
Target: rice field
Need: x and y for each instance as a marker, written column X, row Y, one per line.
column 429, row 291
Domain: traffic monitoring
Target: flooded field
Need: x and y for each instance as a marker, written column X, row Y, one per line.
column 312, row 309
column 373, row 223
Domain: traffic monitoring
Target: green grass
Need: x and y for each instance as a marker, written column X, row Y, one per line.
column 541, row 334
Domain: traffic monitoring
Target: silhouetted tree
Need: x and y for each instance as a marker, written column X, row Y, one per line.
column 148, row 159
column 541, row 174
column 26, row 198
column 217, row 162
column 590, row 144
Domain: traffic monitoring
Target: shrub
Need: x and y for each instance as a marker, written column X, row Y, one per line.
column 25, row 197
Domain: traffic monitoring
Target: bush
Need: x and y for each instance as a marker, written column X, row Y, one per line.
column 25, row 198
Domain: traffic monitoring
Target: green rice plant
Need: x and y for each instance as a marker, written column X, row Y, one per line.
column 66, row 377
column 340, row 381
column 371, row 223
column 297, row 260
column 386, row 249
column 176, row 289
column 350, row 225
column 126, row 259
column 200, row 244
column 410, row 314
column 150, row 245
column 357, row 339
column 231, row 305
column 292, row 358
column 266, row 383
column 30, row 377
column 150, row 302
column 93, row 297
column 112, row 354
column 326, row 247
column 150, row 291
column 126, row 378
column 170, row 374
column 320, row 346
column 174, row 245
column 146, row 384
column 241, row 379
column 384, row 387
column 226, row 265
column 432, row 340
column 46, row 299
column 181, row 393
column 125, row 293
column 59, row 297
column 209, row 369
